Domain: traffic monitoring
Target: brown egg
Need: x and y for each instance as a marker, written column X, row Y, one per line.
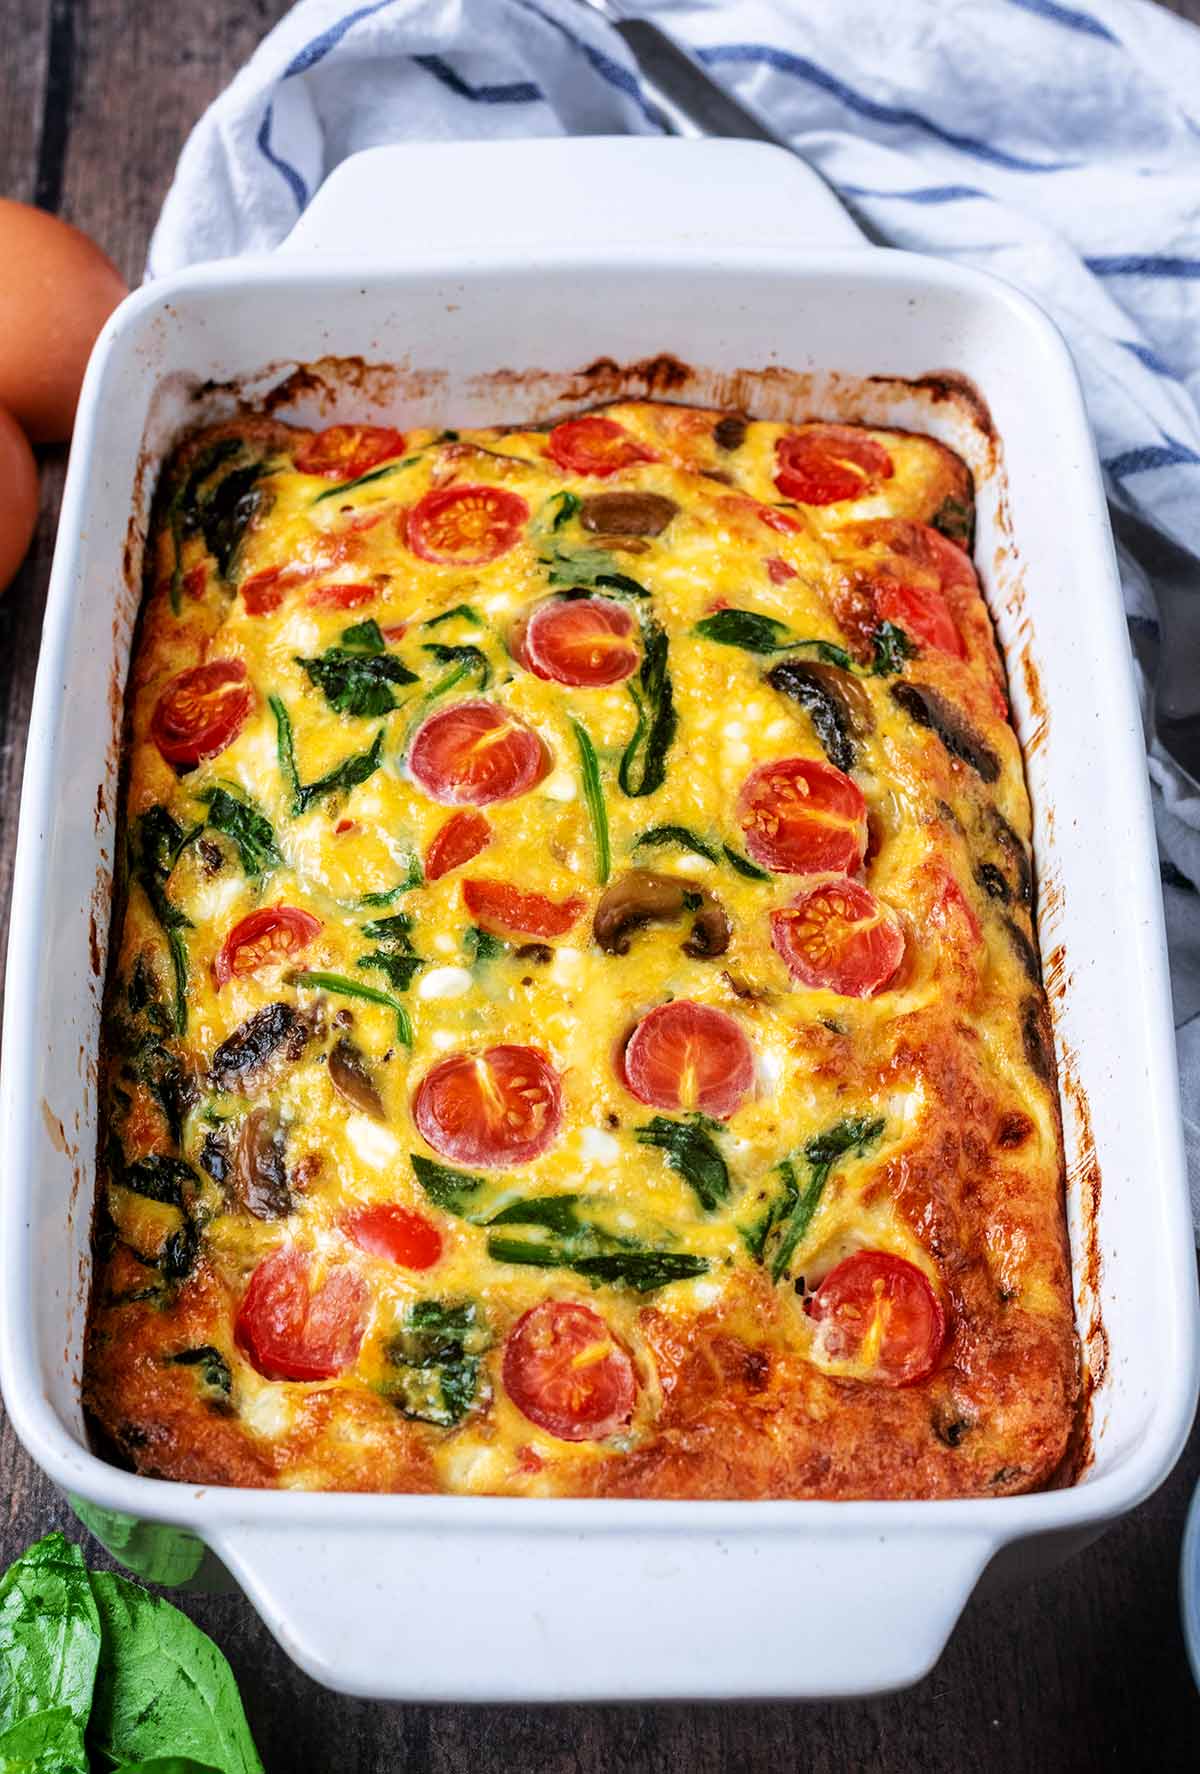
column 56, row 292
column 18, row 497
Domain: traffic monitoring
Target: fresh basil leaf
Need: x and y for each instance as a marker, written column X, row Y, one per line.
column 643, row 766
column 660, row 836
column 44, row 1743
column 690, row 1150
column 463, row 610
column 454, row 1191
column 892, row 648
column 743, row 866
column 340, row 986
column 366, row 636
column 50, row 1636
column 163, row 1687
column 593, row 794
column 356, row 683
column 239, row 819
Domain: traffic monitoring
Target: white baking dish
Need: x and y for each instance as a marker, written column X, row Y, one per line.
column 447, row 264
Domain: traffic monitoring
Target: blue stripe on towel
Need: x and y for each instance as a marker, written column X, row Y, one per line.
column 802, row 69
column 516, row 92
column 330, row 37
column 288, row 172
column 1143, row 265
column 921, row 194
column 1071, row 16
column 1149, row 359
column 1171, row 454
column 612, row 72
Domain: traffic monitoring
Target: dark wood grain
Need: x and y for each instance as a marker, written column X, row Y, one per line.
column 1084, row 1670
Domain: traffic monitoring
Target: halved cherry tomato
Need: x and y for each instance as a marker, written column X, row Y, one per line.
column 829, row 463
column 201, row 712
column 784, row 522
column 801, row 816
column 263, row 939
column 463, row 836
column 778, row 570
column 476, row 752
column 263, row 593
column 399, row 1234
column 880, row 1311
column 565, row 1371
column 596, row 446
column 689, row 1056
column 500, row 1107
column 839, row 937
column 922, row 612
column 343, row 452
column 289, row 1330
column 499, row 907
column 347, row 596
column 585, row 642
column 466, row 526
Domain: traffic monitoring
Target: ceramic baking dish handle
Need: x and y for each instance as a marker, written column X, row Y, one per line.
column 651, row 192
column 414, row 1612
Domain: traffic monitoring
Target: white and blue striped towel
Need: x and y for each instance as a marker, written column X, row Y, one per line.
column 1056, row 144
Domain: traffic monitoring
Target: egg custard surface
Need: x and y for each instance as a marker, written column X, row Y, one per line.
column 574, row 1022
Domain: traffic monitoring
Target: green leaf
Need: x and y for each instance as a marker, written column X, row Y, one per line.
column 591, row 569
column 463, row 661
column 183, row 510
column 159, row 1177
column 593, row 794
column 214, row 1382
column 347, row 775
column 44, row 1743
column 341, row 987
column 156, row 843
column 577, row 1243
column 659, row 836
column 49, row 1636
column 398, row 970
column 360, row 480
column 690, row 1149
column 791, row 1213
column 436, row 1358
column 240, row 820
column 414, row 878
column 228, row 510
column 164, row 1689
column 643, row 766
column 755, row 633
column 642, row 1270
column 463, row 610
column 481, row 945
column 743, row 866
column 366, row 636
column 955, row 518
column 285, row 745
column 892, row 648
column 167, row 1765
column 454, row 1191
column 356, row 683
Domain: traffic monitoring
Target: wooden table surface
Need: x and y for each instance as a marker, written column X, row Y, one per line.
column 1085, row 1670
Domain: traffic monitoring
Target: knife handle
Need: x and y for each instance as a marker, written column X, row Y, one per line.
column 687, row 86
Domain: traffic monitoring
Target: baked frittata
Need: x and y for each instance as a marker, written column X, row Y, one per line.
column 574, row 1022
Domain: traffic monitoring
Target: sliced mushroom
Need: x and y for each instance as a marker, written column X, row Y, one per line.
column 276, row 1032
column 929, row 709
column 640, row 897
column 840, row 709
column 729, row 433
column 351, row 1077
column 260, row 1179
column 627, row 514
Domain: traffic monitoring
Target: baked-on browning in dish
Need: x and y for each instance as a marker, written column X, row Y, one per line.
column 575, row 1023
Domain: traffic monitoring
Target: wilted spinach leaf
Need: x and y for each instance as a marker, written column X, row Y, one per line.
column 237, row 818
column 436, row 1360
column 689, row 1149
